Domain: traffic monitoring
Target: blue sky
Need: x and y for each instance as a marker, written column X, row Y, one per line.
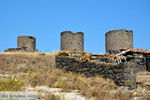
column 46, row 19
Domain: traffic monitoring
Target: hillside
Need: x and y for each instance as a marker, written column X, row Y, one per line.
column 20, row 70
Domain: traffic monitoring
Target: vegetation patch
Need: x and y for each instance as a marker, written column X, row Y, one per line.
column 11, row 85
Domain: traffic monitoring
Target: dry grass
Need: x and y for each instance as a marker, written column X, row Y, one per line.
column 36, row 69
column 13, row 62
column 143, row 73
column 143, row 77
column 52, row 77
column 64, row 52
column 51, row 97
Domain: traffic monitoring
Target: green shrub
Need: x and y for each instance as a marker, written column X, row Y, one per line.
column 11, row 85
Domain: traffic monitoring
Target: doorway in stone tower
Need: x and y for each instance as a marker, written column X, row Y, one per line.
column 148, row 63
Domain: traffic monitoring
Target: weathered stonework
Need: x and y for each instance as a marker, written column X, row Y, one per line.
column 119, row 39
column 123, row 74
column 111, row 71
column 27, row 42
column 72, row 41
column 15, row 49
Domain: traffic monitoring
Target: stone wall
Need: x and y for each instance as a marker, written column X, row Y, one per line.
column 16, row 49
column 122, row 74
column 111, row 71
column 129, row 73
column 140, row 61
column 72, row 41
column 119, row 39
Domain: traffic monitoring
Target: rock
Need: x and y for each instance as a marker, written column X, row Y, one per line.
column 138, row 98
column 45, row 90
column 124, row 90
column 5, row 77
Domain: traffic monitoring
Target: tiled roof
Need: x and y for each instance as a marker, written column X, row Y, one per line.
column 108, row 56
column 140, row 51
column 126, row 50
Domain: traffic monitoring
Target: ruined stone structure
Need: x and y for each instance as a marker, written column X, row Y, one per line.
column 121, row 63
column 119, row 39
column 72, row 41
column 123, row 74
column 27, row 42
column 121, row 68
column 15, row 49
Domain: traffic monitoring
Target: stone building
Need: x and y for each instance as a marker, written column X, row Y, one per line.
column 72, row 41
column 119, row 39
column 28, row 43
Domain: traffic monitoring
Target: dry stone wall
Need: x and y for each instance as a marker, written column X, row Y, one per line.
column 122, row 74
